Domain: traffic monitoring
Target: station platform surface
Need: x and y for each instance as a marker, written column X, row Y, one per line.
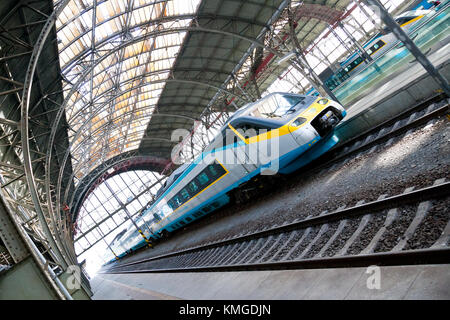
column 394, row 282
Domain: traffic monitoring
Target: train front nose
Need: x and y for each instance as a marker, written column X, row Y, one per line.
column 314, row 124
column 304, row 134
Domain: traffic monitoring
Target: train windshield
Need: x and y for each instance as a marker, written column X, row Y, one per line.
column 276, row 106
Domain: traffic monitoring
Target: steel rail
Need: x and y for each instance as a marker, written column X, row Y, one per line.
column 416, row 108
column 403, row 198
column 432, row 192
column 379, row 140
column 407, row 257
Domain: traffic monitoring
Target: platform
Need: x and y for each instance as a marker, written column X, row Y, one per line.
column 403, row 282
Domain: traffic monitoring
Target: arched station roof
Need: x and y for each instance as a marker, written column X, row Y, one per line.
column 91, row 88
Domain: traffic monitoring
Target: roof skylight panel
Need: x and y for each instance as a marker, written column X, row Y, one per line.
column 137, row 96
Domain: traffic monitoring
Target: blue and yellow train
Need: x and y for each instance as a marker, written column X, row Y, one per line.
column 378, row 45
column 277, row 134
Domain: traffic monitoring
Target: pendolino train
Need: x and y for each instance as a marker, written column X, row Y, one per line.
column 378, row 45
column 277, row 134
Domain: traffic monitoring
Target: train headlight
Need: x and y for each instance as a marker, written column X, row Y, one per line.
column 329, row 119
column 323, row 101
column 299, row 121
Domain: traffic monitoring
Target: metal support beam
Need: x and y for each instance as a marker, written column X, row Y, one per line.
column 410, row 45
column 330, row 27
column 312, row 77
column 369, row 16
column 127, row 213
column 3, row 93
column 363, row 52
column 9, row 234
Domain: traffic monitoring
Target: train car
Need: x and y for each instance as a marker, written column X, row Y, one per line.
column 279, row 133
column 375, row 47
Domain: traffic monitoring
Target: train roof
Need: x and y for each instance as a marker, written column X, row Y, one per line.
column 171, row 179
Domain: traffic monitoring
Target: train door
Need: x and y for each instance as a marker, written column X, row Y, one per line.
column 255, row 147
column 236, row 150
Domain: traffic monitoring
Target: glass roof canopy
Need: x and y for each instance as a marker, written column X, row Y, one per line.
column 114, row 62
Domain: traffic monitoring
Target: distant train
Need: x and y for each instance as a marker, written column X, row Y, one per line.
column 277, row 134
column 375, row 47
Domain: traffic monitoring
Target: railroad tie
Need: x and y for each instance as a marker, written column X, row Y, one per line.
column 391, row 217
column 381, row 133
column 431, row 108
column 338, row 231
column 235, row 253
column 322, row 230
column 299, row 242
column 268, row 250
column 230, row 253
column 281, row 249
column 444, row 238
column 258, row 247
column 250, row 250
column 422, row 210
column 365, row 219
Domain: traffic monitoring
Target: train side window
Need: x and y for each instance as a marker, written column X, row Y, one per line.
column 156, row 217
column 188, row 219
column 193, row 187
column 203, row 178
column 229, row 137
column 248, row 130
column 212, row 170
column 182, row 222
column 403, row 20
column 375, row 47
column 176, row 201
column 184, row 194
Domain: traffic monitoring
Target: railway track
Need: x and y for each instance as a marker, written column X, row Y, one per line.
column 423, row 113
column 387, row 231
column 327, row 240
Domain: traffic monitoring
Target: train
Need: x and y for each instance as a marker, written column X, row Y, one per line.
column 378, row 45
column 277, row 134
